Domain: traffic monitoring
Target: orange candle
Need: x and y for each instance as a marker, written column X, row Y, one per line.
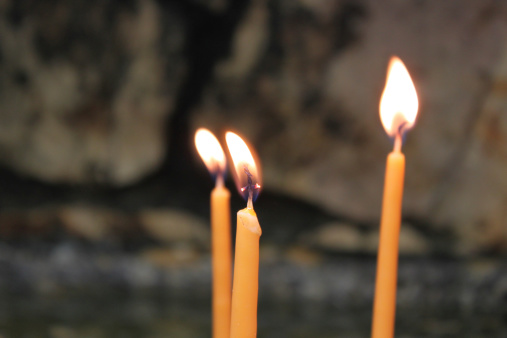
column 398, row 111
column 246, row 260
column 213, row 156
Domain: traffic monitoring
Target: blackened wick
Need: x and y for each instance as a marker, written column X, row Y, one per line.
column 250, row 186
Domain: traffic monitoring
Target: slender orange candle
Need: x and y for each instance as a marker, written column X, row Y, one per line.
column 398, row 111
column 213, row 156
column 246, row 260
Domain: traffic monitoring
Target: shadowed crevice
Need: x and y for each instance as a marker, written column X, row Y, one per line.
column 209, row 37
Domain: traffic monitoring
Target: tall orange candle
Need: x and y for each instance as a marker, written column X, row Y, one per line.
column 246, row 260
column 213, row 156
column 398, row 111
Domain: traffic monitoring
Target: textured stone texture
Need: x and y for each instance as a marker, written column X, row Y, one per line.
column 477, row 199
column 90, row 223
column 100, row 225
column 471, row 285
column 174, row 226
column 86, row 88
column 305, row 90
column 340, row 237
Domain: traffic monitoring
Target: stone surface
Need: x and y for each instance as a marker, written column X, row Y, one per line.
column 477, row 198
column 336, row 237
column 159, row 315
column 87, row 88
column 305, row 92
column 90, row 223
column 98, row 225
column 170, row 258
column 347, row 238
column 172, row 226
column 347, row 282
column 22, row 224
column 303, row 256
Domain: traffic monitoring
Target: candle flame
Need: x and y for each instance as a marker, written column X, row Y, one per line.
column 210, row 151
column 246, row 171
column 399, row 103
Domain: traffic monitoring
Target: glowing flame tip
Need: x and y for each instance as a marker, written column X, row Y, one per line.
column 210, row 151
column 246, row 170
column 399, row 103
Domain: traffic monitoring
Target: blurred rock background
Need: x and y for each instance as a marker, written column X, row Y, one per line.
column 101, row 187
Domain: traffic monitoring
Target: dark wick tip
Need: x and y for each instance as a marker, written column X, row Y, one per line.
column 250, row 187
column 401, row 128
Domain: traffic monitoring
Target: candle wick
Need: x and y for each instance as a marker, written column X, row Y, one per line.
column 219, row 182
column 249, row 204
column 248, row 177
column 250, row 187
column 397, row 142
column 398, row 139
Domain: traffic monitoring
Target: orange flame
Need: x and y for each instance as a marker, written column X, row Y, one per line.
column 246, row 171
column 399, row 103
column 210, row 151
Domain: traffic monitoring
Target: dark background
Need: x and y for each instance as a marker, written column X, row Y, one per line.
column 104, row 202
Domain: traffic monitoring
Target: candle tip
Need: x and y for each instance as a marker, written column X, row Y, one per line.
column 219, row 181
column 249, row 204
column 398, row 141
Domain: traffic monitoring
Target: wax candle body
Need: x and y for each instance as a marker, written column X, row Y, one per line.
column 221, row 261
column 384, row 306
column 246, row 276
